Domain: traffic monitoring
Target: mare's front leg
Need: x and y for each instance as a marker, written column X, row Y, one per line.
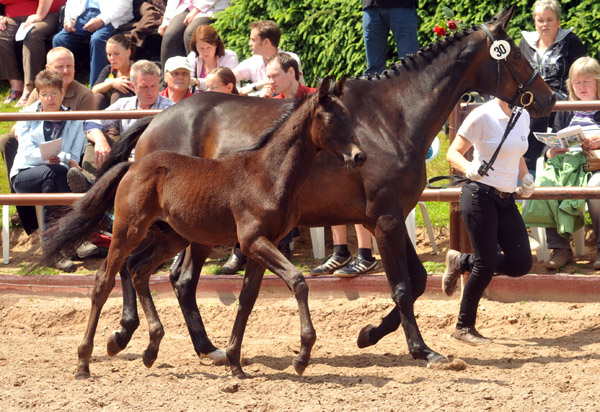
column 407, row 279
column 184, row 279
column 252, row 280
column 264, row 252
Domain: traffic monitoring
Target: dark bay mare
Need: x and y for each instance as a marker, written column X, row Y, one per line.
column 250, row 196
column 396, row 116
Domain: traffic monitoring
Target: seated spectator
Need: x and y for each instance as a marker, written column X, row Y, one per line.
column 264, row 42
column 113, row 81
column 221, row 80
column 178, row 79
column 43, row 15
column 76, row 97
column 97, row 21
column 180, row 21
column 31, row 171
column 150, row 14
column 284, row 78
column 208, row 53
column 145, row 77
column 583, row 84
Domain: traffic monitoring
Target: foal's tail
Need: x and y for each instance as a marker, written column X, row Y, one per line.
column 121, row 150
column 64, row 236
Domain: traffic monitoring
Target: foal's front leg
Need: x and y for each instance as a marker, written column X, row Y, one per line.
column 264, row 252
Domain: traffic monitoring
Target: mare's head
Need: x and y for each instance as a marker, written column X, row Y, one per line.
column 331, row 128
column 514, row 80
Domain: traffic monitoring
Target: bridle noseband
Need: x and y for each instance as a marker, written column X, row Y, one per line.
column 521, row 93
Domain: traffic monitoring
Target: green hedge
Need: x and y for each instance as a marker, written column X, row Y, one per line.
column 327, row 34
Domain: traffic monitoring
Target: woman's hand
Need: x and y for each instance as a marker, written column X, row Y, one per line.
column 591, row 143
column 161, row 29
column 122, row 84
column 54, row 160
column 190, row 16
column 33, row 18
column 73, row 163
column 556, row 151
column 3, row 23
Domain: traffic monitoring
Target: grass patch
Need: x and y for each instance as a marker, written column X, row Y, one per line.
column 434, row 267
column 25, row 270
column 213, row 269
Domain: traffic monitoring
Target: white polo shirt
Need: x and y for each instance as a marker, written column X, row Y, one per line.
column 484, row 128
column 255, row 69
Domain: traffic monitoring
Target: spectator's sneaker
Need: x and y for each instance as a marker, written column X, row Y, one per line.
column 357, row 267
column 559, row 258
column 452, row 273
column 235, row 263
column 332, row 263
column 13, row 96
column 471, row 336
column 87, row 249
column 65, row 265
column 78, row 181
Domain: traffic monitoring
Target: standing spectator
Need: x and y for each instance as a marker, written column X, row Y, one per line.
column 180, row 21
column 264, row 42
column 145, row 77
column 381, row 16
column 551, row 50
column 43, row 15
column 113, row 81
column 178, row 79
column 31, row 171
column 95, row 20
column 488, row 208
column 76, row 97
column 208, row 53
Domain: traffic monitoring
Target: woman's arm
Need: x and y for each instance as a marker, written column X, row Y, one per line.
column 455, row 155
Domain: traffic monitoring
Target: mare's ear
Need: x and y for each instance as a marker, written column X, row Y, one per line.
column 503, row 18
column 338, row 88
column 324, row 89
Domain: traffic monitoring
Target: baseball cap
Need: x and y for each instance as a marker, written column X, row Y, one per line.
column 177, row 62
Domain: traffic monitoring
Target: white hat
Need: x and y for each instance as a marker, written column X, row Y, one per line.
column 177, row 62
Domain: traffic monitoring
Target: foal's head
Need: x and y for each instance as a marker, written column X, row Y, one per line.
column 331, row 127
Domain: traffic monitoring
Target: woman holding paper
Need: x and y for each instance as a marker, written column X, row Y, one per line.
column 34, row 172
column 36, row 20
column 583, row 84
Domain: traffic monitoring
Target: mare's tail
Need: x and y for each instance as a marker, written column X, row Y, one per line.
column 65, row 235
column 121, row 150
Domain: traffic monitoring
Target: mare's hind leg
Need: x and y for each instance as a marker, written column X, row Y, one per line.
column 400, row 259
column 184, row 279
column 265, row 253
column 248, row 294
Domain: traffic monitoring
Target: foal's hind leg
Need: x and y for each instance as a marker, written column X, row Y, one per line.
column 265, row 253
column 184, row 279
column 248, row 295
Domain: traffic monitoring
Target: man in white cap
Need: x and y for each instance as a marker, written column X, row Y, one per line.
column 178, row 79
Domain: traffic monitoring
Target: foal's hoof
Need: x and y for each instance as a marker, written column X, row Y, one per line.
column 218, row 356
column 238, row 372
column 82, row 374
column 363, row 336
column 299, row 366
column 148, row 357
column 112, row 345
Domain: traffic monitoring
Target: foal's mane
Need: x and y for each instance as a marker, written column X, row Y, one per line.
column 264, row 138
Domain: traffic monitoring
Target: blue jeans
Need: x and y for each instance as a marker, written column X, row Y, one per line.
column 377, row 23
column 97, row 41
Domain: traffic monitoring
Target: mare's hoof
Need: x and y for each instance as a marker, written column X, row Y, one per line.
column 238, row 372
column 112, row 345
column 363, row 336
column 434, row 359
column 149, row 357
column 299, row 366
column 218, row 356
